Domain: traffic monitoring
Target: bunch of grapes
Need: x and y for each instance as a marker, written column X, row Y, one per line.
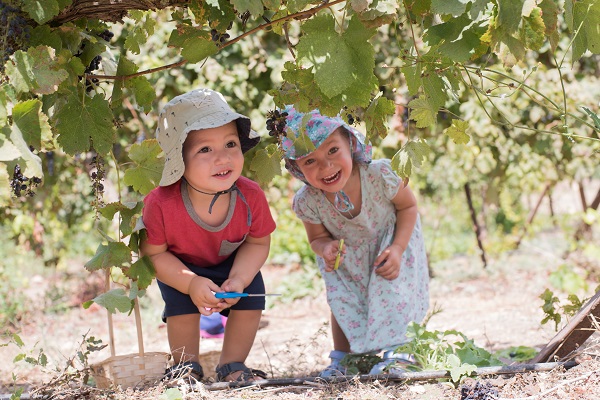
column 479, row 391
column 97, row 179
column 276, row 124
column 20, row 183
column 352, row 119
column 218, row 37
column 14, row 32
column 90, row 84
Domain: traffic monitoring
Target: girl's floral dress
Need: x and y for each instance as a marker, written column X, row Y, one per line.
column 372, row 311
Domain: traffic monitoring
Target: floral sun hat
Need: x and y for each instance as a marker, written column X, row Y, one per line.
column 197, row 109
column 317, row 128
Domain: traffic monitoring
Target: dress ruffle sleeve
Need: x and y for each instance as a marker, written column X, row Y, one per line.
column 305, row 206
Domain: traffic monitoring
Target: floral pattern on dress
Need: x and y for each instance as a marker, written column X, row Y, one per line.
column 372, row 311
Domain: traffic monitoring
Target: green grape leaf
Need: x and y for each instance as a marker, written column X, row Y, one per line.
column 593, row 116
column 297, row 5
column 196, row 44
column 449, row 7
column 412, row 76
column 41, row 11
column 127, row 211
column 338, row 59
column 141, row 31
column 46, row 36
column 378, row 13
column 586, row 14
column 376, row 116
column 422, row 112
column 435, row 90
column 8, row 151
column 113, row 300
column 267, row 163
column 142, row 271
column 550, row 13
column 509, row 15
column 533, row 30
column 255, row 7
column 32, row 161
column 81, row 124
column 458, row 131
column 114, row 254
column 36, row 70
column 412, row 153
column 146, row 173
column 220, row 14
column 143, row 91
column 32, row 122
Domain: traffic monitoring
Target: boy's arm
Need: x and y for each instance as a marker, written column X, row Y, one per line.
column 249, row 259
column 172, row 272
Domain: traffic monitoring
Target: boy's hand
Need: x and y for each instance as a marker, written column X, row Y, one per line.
column 201, row 290
column 330, row 253
column 389, row 262
column 232, row 285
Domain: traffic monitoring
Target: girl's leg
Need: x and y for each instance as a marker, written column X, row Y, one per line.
column 183, row 332
column 340, row 342
column 242, row 326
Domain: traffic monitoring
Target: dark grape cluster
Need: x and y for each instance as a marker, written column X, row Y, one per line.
column 276, row 123
column 20, row 183
column 90, row 84
column 218, row 37
column 14, row 32
column 97, row 175
column 479, row 391
column 352, row 119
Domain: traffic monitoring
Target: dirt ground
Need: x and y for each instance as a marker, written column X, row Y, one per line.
column 498, row 307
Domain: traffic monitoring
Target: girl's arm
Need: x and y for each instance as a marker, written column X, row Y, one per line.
column 406, row 218
column 250, row 257
column 323, row 244
column 171, row 271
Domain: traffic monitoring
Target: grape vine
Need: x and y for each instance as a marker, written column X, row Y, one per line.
column 14, row 31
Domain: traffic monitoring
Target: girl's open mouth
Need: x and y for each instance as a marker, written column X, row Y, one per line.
column 332, row 178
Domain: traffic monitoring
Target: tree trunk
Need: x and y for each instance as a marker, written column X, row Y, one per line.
column 476, row 226
column 532, row 214
column 110, row 10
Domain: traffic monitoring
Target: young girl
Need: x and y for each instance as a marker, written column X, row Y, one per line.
column 208, row 230
column 381, row 280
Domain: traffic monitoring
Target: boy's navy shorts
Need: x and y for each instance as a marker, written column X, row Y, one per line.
column 177, row 303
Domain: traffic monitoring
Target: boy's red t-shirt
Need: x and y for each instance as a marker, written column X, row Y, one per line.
column 167, row 221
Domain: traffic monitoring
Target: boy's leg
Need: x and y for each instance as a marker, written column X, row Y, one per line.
column 242, row 326
column 184, row 337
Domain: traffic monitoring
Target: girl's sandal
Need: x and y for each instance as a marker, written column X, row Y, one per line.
column 248, row 374
column 186, row 369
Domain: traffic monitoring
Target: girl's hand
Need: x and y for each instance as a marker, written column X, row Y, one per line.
column 232, row 285
column 201, row 290
column 389, row 262
column 330, row 253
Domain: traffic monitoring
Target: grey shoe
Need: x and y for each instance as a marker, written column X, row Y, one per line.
column 392, row 363
column 335, row 368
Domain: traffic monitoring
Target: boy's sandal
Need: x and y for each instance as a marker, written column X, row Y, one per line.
column 247, row 374
column 185, row 369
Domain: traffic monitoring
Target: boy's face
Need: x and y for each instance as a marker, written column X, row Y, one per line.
column 213, row 158
column 330, row 166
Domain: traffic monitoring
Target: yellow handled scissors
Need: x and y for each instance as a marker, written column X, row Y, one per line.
column 339, row 255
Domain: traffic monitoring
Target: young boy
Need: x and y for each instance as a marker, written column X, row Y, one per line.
column 208, row 231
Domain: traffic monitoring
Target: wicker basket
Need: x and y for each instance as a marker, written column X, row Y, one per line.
column 130, row 370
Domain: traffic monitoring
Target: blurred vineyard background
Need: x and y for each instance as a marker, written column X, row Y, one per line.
column 525, row 169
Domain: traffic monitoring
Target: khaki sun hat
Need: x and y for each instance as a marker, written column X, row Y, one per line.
column 198, row 109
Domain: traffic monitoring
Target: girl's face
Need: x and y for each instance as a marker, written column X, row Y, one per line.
column 330, row 166
column 213, row 158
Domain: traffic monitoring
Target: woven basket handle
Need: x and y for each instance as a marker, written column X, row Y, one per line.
column 138, row 322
